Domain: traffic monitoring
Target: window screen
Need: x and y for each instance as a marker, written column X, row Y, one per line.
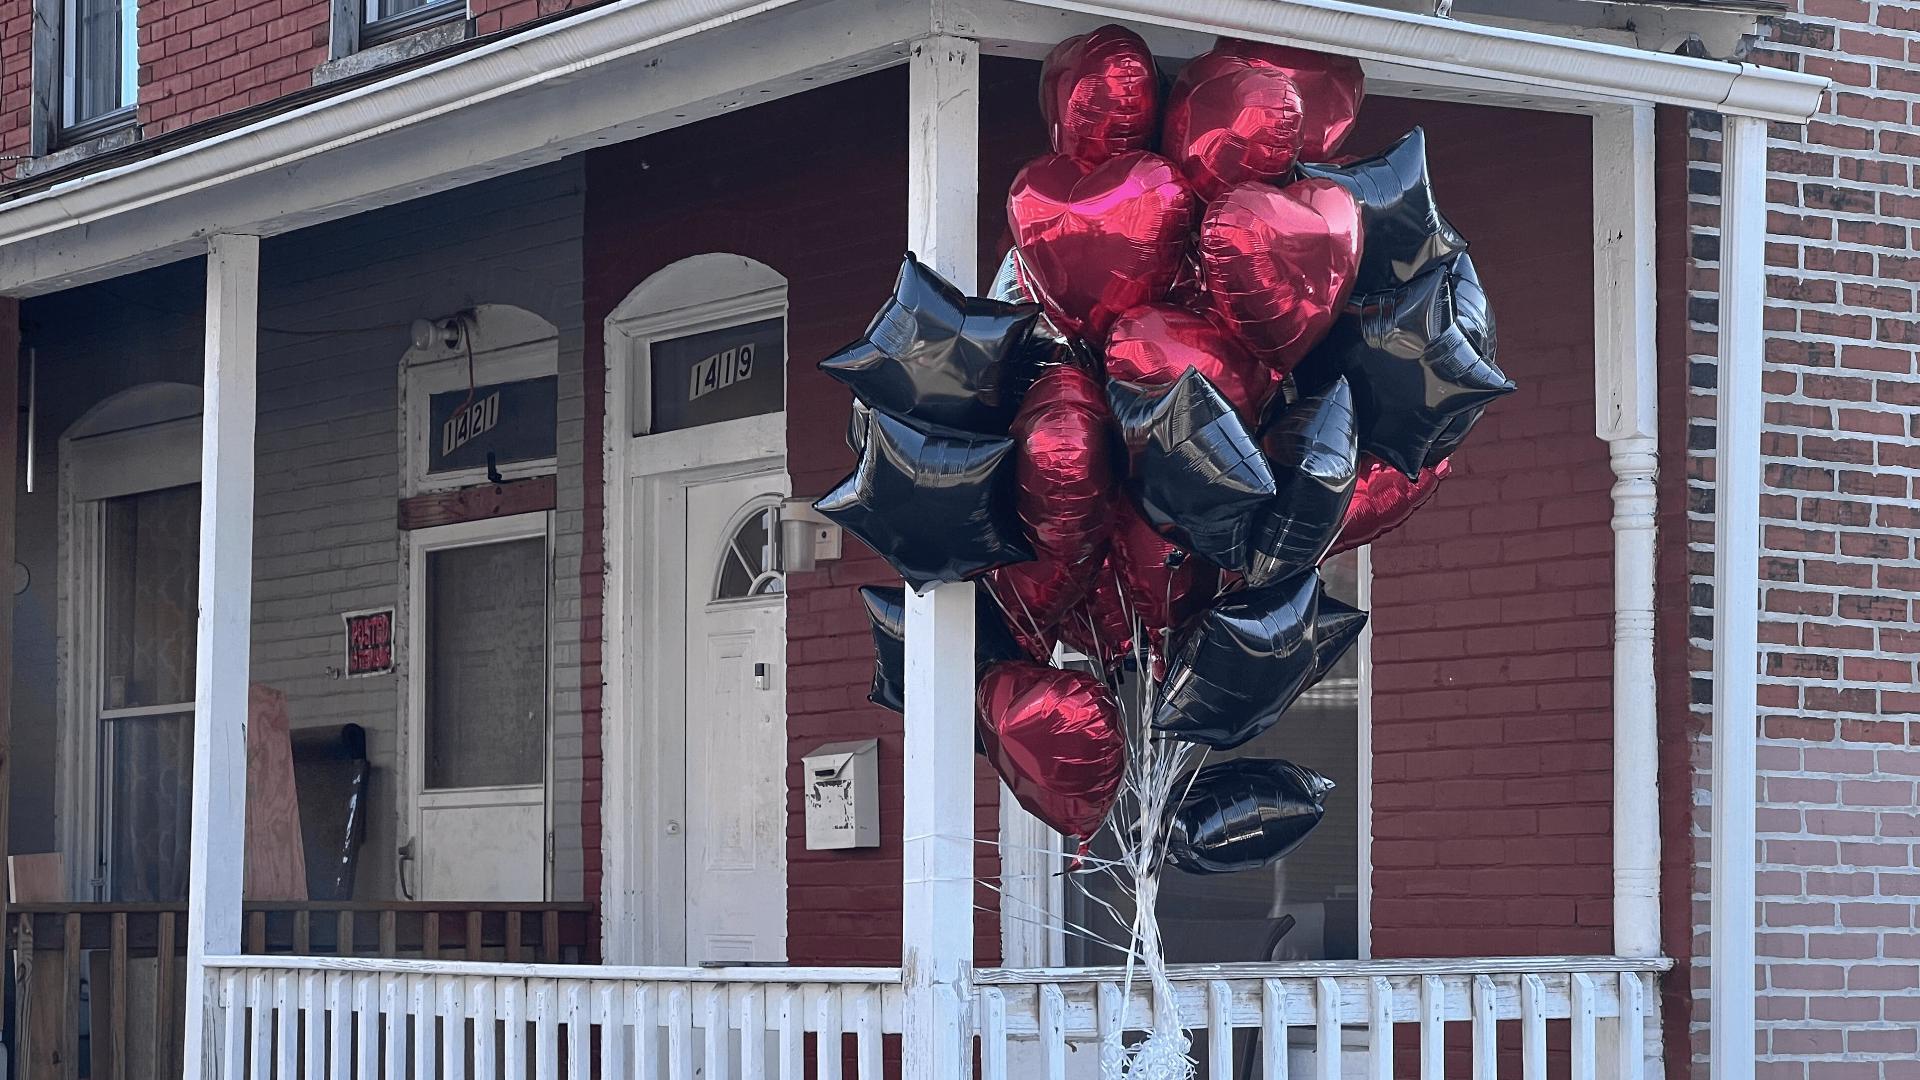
column 486, row 677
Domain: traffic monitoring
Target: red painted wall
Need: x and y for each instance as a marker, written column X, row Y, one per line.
column 1492, row 608
column 815, row 187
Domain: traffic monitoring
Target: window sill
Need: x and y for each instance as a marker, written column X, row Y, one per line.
column 432, row 39
column 114, row 139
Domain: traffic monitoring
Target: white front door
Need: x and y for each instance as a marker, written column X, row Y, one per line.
column 735, row 722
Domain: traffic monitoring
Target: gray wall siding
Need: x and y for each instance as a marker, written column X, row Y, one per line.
column 336, row 304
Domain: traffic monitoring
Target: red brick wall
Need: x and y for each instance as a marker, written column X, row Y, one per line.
column 202, row 58
column 16, row 78
column 814, row 187
column 1838, row 996
column 1492, row 609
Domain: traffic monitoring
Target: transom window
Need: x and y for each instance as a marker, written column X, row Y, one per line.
column 99, row 65
column 750, row 563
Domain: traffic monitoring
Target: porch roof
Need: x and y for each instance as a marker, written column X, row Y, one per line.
column 632, row 67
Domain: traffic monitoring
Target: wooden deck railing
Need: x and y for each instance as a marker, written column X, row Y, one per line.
column 131, row 961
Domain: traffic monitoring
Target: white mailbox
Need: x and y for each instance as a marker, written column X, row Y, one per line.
column 843, row 795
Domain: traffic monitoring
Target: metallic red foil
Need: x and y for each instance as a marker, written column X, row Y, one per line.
column 1100, row 95
column 1231, row 119
column 1156, row 344
column 1279, row 263
column 1063, row 465
column 1103, row 239
column 1331, row 89
column 1099, row 625
column 1383, row 500
column 1163, row 586
column 1036, row 595
column 1055, row 738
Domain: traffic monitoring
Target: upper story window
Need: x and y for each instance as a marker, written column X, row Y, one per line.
column 99, row 65
column 383, row 20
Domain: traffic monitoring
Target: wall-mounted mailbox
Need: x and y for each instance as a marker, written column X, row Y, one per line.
column 843, row 795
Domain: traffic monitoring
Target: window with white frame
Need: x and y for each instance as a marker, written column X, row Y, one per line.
column 1307, row 906
column 99, row 66
column 384, row 20
column 482, row 401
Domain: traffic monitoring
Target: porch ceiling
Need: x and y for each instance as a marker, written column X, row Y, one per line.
column 634, row 67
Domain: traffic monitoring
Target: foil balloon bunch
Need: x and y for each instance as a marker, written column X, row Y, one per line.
column 1216, row 354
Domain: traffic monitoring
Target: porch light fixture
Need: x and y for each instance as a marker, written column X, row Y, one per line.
column 807, row 538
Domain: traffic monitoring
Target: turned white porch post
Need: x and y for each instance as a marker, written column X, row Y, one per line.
column 226, row 613
column 1626, row 375
column 1736, row 590
column 936, row 960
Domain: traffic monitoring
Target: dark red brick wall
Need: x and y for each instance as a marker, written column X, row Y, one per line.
column 16, row 77
column 815, row 187
column 1492, row 608
column 202, row 58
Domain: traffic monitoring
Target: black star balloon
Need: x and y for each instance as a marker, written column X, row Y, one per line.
column 887, row 614
column 934, row 502
column 1313, row 448
column 1243, row 814
column 936, row 355
column 1047, row 344
column 1475, row 315
column 1195, row 471
column 1336, row 627
column 1405, row 232
column 1414, row 368
column 1238, row 666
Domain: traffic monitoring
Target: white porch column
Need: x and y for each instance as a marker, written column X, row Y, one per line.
column 226, row 614
column 943, row 183
column 1627, row 379
column 1736, row 589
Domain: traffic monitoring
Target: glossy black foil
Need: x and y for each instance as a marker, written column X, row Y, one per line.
column 1244, row 814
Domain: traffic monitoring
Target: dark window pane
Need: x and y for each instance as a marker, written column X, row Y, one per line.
column 151, row 559
column 100, row 58
column 715, row 375
column 486, row 624
column 149, row 790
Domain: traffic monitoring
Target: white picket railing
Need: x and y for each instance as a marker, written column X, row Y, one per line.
column 337, row 1018
column 1333, row 1019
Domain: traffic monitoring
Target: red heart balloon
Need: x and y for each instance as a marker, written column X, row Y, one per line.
column 1383, row 500
column 1036, row 595
column 1163, row 586
column 1157, row 343
column 1229, row 120
column 1063, row 468
column 1331, row 89
column 1279, row 263
column 1055, row 738
column 1099, row 625
column 1099, row 241
column 1100, row 94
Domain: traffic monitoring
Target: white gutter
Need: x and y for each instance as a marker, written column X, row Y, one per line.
column 1500, row 53
column 598, row 75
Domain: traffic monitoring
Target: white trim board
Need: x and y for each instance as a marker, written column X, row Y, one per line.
column 635, row 67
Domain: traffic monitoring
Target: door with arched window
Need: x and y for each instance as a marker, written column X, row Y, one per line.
column 735, row 824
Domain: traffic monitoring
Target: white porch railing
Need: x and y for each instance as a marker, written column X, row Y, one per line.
column 307, row 1018
column 1332, row 1019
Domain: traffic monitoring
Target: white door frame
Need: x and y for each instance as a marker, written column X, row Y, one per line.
column 538, row 524
column 646, row 478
